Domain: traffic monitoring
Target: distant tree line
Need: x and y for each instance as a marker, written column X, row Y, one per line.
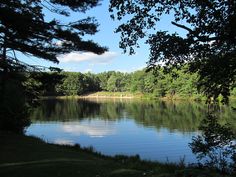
column 177, row 83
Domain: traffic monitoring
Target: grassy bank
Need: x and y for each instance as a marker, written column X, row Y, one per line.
column 104, row 94
column 115, row 95
column 24, row 156
column 129, row 95
column 137, row 95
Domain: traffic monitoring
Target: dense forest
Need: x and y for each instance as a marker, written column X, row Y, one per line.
column 178, row 83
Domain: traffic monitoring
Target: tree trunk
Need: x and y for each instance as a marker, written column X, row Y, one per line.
column 4, row 67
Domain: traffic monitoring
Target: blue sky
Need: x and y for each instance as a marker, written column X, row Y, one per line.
column 114, row 59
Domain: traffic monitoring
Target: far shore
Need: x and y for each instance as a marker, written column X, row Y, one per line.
column 126, row 95
column 103, row 95
column 129, row 95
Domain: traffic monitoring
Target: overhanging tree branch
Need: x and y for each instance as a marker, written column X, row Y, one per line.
column 183, row 27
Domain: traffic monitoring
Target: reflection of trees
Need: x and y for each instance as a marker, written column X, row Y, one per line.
column 183, row 116
column 64, row 110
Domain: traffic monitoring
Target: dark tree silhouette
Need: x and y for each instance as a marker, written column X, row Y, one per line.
column 209, row 45
column 215, row 147
column 24, row 28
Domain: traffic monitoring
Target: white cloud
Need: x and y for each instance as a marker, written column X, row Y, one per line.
column 98, row 129
column 87, row 56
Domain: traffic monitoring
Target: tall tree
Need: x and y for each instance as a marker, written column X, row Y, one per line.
column 25, row 28
column 209, row 44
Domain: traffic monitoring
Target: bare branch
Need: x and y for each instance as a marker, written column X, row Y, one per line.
column 182, row 26
column 200, row 38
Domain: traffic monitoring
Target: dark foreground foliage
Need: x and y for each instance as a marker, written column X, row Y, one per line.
column 215, row 147
column 206, row 38
column 15, row 104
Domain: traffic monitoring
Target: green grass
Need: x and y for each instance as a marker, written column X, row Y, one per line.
column 114, row 94
column 126, row 95
column 23, row 156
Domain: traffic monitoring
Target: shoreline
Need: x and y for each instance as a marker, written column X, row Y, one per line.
column 128, row 95
column 118, row 95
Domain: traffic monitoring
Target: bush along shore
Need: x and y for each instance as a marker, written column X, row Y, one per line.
column 29, row 156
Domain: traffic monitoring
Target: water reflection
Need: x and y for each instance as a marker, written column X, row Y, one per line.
column 153, row 129
column 92, row 129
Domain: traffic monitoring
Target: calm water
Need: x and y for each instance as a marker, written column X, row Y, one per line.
column 153, row 129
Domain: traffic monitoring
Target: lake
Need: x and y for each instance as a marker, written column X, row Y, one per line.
column 155, row 130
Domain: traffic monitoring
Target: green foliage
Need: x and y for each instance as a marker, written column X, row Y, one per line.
column 112, row 83
column 233, row 92
column 116, row 82
column 208, row 43
column 47, row 81
column 174, row 85
column 73, row 84
column 78, row 84
column 215, row 147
